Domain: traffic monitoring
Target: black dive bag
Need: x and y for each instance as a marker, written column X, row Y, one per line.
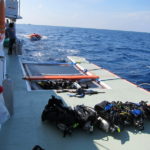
column 62, row 116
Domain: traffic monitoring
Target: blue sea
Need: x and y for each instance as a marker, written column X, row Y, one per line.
column 124, row 53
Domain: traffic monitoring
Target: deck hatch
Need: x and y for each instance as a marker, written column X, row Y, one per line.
column 37, row 69
column 51, row 69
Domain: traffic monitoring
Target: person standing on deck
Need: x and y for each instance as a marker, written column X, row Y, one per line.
column 6, row 27
column 12, row 37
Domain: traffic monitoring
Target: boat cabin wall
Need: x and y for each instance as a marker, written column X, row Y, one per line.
column 13, row 9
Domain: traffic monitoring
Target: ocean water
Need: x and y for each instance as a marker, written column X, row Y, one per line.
column 126, row 54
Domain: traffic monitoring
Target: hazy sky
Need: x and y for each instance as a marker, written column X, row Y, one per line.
column 132, row 15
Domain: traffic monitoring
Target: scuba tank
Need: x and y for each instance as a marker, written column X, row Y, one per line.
column 103, row 124
column 76, row 85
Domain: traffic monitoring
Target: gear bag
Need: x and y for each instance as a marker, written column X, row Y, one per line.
column 62, row 116
column 86, row 116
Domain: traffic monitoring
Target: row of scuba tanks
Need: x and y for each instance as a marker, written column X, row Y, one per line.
column 108, row 116
column 62, row 84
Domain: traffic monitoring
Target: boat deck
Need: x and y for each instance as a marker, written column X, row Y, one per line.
column 25, row 128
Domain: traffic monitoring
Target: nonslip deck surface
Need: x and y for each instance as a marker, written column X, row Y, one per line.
column 25, row 129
